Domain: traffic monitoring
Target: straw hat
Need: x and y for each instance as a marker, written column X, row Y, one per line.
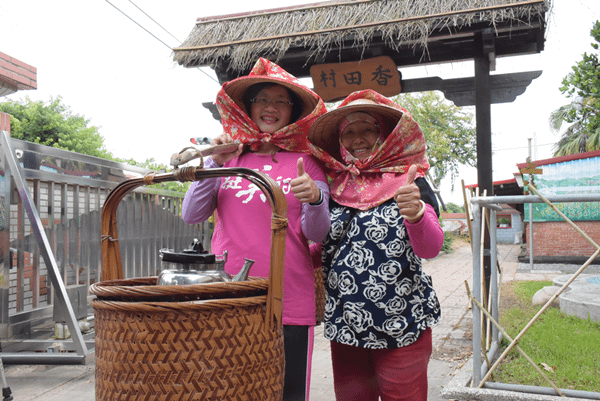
column 324, row 132
column 237, row 87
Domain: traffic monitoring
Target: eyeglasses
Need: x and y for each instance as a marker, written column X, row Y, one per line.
column 264, row 102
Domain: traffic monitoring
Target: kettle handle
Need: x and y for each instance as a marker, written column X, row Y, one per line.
column 112, row 268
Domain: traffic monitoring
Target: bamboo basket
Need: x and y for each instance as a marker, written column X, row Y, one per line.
column 320, row 296
column 218, row 341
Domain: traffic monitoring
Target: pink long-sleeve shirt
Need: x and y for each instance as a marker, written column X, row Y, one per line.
column 243, row 224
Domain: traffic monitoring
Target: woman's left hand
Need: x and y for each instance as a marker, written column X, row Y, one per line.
column 303, row 187
column 408, row 197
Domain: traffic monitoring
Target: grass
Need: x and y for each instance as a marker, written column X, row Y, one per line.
column 566, row 348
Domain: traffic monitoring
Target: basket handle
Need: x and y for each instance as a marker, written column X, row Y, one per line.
column 112, row 268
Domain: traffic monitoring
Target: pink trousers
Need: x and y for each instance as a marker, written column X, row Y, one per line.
column 361, row 374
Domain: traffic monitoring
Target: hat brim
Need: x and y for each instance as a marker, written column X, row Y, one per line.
column 236, row 89
column 324, row 132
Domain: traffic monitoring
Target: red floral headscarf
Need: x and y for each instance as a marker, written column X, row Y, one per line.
column 240, row 126
column 364, row 184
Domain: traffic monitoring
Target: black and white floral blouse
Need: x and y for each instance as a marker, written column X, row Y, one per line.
column 377, row 294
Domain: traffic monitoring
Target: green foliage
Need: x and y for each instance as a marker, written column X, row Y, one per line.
column 454, row 208
column 504, row 220
column 447, row 246
column 582, row 85
column 566, row 344
column 54, row 124
column 152, row 165
column 448, row 239
column 449, row 132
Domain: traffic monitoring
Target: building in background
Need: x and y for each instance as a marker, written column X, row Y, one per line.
column 15, row 75
column 555, row 240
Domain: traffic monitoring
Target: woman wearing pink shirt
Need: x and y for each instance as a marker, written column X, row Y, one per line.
column 269, row 113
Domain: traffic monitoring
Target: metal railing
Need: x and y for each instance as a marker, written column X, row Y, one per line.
column 50, row 207
column 486, row 347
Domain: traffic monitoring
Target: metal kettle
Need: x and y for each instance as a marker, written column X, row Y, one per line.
column 197, row 266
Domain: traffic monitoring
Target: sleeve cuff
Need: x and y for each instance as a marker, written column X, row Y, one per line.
column 317, row 203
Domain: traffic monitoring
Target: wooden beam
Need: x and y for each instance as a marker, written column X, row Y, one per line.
column 504, row 87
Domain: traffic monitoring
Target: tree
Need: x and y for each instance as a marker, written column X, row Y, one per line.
column 582, row 85
column 454, row 208
column 449, row 132
column 152, row 165
column 54, row 124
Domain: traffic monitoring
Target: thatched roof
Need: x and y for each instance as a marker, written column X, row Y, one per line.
column 320, row 31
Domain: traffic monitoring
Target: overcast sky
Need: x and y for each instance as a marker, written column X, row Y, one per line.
column 123, row 79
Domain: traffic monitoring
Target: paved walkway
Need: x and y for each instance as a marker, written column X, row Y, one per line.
column 451, row 339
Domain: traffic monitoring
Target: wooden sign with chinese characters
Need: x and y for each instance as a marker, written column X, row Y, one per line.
column 337, row 80
column 531, row 168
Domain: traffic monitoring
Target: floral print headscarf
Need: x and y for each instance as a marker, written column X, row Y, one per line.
column 364, row 184
column 240, row 126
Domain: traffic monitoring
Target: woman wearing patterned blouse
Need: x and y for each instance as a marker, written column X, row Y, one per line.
column 380, row 304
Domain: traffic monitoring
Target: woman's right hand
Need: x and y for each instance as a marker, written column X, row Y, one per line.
column 223, row 158
column 408, row 198
column 222, row 139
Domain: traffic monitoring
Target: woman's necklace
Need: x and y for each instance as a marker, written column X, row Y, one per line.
column 273, row 153
column 269, row 148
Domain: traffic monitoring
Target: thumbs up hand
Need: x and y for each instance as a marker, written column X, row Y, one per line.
column 408, row 198
column 303, row 187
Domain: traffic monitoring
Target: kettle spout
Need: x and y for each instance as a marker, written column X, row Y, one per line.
column 243, row 274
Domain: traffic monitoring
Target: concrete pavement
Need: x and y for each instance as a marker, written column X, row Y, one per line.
column 451, row 340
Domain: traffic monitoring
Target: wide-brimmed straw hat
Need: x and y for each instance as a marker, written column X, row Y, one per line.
column 237, row 87
column 324, row 132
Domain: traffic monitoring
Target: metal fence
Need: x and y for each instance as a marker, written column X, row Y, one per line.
column 50, row 208
column 487, row 335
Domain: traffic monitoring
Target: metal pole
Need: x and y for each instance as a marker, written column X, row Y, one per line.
column 43, row 358
column 494, row 273
column 477, row 243
column 494, row 200
column 530, row 214
column 576, row 394
column 531, row 236
column 6, row 393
